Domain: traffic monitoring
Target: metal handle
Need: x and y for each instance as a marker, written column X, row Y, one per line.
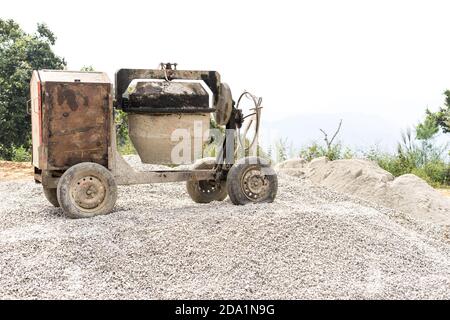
column 28, row 108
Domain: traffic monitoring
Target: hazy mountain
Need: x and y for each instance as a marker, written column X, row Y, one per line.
column 358, row 130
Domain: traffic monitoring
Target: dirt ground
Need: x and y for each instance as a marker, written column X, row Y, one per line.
column 10, row 170
column 445, row 192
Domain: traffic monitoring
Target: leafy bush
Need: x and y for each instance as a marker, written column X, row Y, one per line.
column 416, row 158
column 312, row 151
column 281, row 150
column 436, row 173
column 21, row 154
column 124, row 144
column 335, row 152
column 126, row 148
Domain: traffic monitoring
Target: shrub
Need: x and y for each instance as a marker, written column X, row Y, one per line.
column 281, row 150
column 436, row 172
column 124, row 144
column 21, row 154
column 126, row 148
column 314, row 150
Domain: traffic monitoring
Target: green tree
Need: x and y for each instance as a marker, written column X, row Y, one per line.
column 443, row 115
column 427, row 129
column 435, row 120
column 87, row 68
column 20, row 54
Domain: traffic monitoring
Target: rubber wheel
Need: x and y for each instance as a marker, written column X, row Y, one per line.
column 86, row 190
column 50, row 194
column 251, row 179
column 205, row 191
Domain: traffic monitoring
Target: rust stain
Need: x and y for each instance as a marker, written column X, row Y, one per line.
column 78, row 123
column 68, row 96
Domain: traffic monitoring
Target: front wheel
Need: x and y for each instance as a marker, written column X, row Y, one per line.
column 87, row 189
column 252, row 179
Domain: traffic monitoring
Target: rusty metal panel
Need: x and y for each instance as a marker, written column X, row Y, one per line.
column 76, row 123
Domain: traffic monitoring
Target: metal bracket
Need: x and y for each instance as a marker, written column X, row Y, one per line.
column 28, row 107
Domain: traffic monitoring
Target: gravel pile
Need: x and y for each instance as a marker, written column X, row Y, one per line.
column 310, row 243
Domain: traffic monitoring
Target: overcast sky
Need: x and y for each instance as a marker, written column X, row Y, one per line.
column 389, row 58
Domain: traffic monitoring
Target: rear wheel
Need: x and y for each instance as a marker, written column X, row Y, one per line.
column 205, row 191
column 252, row 179
column 50, row 194
column 86, row 190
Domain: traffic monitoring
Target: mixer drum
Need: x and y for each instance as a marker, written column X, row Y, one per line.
column 168, row 121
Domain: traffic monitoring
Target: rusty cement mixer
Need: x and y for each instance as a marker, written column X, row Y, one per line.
column 169, row 112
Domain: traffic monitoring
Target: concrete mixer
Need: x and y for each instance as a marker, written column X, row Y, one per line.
column 169, row 113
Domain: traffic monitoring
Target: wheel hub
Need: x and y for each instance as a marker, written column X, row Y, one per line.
column 208, row 186
column 88, row 192
column 255, row 185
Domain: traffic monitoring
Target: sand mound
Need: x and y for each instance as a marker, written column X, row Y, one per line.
column 295, row 163
column 365, row 179
column 410, row 193
column 293, row 167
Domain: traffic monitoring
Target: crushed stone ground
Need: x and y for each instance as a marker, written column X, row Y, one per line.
column 311, row 243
